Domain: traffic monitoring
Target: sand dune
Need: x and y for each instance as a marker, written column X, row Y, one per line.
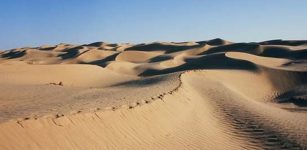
column 212, row 94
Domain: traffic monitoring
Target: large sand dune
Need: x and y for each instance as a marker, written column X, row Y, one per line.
column 190, row 95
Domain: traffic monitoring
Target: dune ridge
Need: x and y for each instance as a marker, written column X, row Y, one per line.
column 164, row 95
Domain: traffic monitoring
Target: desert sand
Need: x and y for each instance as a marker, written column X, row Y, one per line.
column 205, row 95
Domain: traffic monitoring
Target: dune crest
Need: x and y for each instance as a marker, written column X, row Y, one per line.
column 212, row 94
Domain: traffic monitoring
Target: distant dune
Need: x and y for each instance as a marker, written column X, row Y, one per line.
column 212, row 94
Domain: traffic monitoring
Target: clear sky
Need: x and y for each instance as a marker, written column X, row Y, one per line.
column 39, row 22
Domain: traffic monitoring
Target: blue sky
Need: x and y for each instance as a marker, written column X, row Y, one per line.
column 39, row 22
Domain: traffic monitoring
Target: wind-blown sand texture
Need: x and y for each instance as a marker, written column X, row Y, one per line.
column 164, row 95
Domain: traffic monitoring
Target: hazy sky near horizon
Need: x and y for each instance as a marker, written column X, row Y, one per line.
column 39, row 22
